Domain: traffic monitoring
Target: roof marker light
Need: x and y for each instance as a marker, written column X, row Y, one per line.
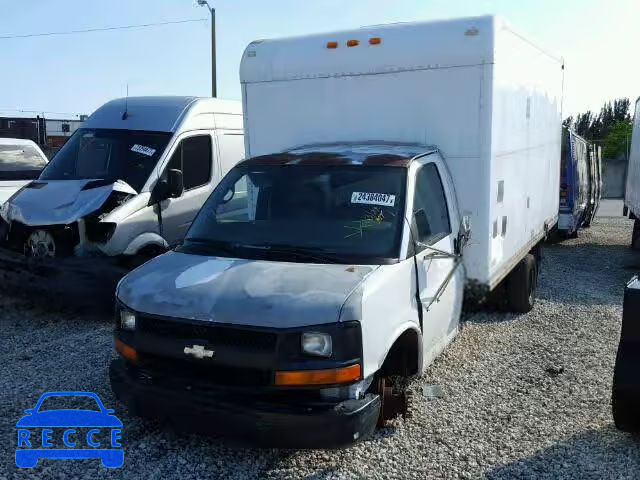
column 375, row 41
column 332, row 44
column 353, row 43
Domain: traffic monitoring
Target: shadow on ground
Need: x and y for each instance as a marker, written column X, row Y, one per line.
column 595, row 454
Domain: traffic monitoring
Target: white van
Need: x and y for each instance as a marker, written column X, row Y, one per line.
column 389, row 168
column 21, row 161
column 129, row 182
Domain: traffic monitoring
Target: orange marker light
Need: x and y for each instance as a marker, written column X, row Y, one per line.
column 319, row 377
column 129, row 353
column 332, row 44
column 375, row 41
column 353, row 43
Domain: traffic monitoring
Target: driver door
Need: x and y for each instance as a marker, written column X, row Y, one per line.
column 440, row 281
column 194, row 157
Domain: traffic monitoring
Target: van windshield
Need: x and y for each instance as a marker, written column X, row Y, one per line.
column 128, row 155
column 311, row 214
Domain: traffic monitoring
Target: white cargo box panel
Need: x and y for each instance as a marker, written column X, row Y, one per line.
column 489, row 99
column 632, row 190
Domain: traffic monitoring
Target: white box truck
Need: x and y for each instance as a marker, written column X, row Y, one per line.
column 388, row 167
column 632, row 189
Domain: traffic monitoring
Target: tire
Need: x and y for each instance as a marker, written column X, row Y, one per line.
column 624, row 411
column 537, row 253
column 635, row 236
column 521, row 285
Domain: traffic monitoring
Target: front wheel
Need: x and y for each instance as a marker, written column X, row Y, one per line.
column 522, row 284
column 394, row 399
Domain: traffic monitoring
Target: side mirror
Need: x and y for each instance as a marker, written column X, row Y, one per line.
column 29, row 410
column 175, row 182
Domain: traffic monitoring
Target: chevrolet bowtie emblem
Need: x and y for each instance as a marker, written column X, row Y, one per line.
column 199, row 352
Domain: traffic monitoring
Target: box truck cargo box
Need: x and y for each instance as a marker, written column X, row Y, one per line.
column 632, row 190
column 575, row 181
column 488, row 98
column 330, row 263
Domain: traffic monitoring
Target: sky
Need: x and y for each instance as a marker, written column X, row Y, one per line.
column 72, row 74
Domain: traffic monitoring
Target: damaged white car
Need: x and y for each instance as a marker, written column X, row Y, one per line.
column 20, row 162
column 129, row 182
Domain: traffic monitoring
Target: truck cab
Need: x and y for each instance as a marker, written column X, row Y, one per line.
column 309, row 280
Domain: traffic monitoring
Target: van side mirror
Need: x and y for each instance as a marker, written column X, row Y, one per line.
column 176, row 182
column 172, row 187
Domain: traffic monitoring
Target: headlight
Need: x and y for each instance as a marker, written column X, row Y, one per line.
column 5, row 211
column 127, row 320
column 317, row 344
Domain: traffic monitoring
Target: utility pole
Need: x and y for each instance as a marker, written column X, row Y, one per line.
column 214, row 79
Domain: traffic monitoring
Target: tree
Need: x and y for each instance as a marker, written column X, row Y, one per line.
column 583, row 123
column 617, row 140
column 610, row 127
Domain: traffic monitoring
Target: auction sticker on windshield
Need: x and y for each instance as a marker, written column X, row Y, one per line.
column 148, row 151
column 367, row 198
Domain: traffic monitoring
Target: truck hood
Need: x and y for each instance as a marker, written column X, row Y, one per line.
column 244, row 292
column 60, row 202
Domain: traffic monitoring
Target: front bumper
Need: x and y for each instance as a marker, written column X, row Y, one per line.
column 245, row 416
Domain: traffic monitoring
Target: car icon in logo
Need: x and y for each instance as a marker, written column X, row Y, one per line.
column 70, row 433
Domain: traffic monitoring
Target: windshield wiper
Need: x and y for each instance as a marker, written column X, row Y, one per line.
column 318, row 254
column 209, row 245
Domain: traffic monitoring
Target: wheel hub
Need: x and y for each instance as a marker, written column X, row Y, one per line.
column 392, row 403
column 40, row 244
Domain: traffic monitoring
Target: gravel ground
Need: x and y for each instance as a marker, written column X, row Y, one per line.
column 523, row 396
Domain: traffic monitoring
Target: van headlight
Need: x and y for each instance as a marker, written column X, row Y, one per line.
column 127, row 320
column 317, row 344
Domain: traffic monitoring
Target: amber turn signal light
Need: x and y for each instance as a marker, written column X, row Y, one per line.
column 318, row 377
column 332, row 44
column 127, row 352
column 353, row 43
column 375, row 41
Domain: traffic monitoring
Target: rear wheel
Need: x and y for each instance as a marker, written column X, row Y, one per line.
column 635, row 236
column 624, row 412
column 521, row 285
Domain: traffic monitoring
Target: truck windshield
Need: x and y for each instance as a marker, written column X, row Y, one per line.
column 340, row 214
column 20, row 162
column 128, row 155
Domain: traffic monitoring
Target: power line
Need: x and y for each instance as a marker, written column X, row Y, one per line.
column 37, row 112
column 105, row 29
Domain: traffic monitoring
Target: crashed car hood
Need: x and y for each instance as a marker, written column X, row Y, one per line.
column 242, row 292
column 60, row 202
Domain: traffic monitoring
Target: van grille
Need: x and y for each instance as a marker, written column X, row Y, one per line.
column 214, row 335
column 201, row 375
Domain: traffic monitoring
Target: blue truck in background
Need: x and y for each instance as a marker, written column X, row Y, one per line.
column 595, row 184
column 575, row 179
